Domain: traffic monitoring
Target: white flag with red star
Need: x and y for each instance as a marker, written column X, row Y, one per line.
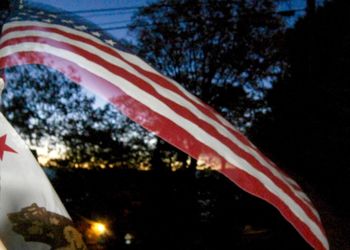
column 31, row 214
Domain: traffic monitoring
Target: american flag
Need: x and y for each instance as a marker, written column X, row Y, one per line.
column 90, row 58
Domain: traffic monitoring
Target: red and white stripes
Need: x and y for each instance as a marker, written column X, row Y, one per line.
column 164, row 107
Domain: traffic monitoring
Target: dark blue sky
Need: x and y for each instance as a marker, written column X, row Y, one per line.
column 121, row 18
column 104, row 18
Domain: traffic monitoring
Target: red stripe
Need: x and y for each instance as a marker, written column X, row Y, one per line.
column 258, row 187
column 178, row 109
column 207, row 110
column 156, row 78
column 164, row 127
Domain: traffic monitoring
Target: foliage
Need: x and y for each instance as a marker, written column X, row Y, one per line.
column 225, row 52
column 308, row 132
column 310, row 129
column 171, row 211
column 54, row 113
column 40, row 102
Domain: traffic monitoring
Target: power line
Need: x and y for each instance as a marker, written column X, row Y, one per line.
column 290, row 12
column 117, row 28
column 282, row 13
column 130, row 8
column 111, row 28
column 106, row 10
column 114, row 22
column 107, row 14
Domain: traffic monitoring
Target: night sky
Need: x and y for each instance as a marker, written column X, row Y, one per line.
column 121, row 18
column 105, row 18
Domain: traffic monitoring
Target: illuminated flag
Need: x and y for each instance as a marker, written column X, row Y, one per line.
column 31, row 214
column 90, row 58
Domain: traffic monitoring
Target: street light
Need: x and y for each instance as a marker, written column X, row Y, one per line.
column 99, row 228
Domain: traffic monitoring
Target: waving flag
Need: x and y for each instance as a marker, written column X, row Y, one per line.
column 31, row 214
column 90, row 58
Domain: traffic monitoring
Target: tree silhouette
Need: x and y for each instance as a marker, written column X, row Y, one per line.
column 54, row 113
column 310, row 105
column 309, row 133
column 225, row 52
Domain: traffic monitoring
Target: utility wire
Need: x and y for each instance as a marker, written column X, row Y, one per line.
column 290, row 12
column 100, row 11
column 108, row 14
column 114, row 22
column 111, row 28
column 106, row 10
column 132, row 9
column 128, row 8
column 282, row 13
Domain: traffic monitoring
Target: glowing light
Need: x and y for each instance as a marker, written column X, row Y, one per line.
column 99, row 228
column 128, row 238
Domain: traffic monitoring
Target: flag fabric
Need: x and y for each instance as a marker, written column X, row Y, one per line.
column 2, row 247
column 90, row 58
column 31, row 214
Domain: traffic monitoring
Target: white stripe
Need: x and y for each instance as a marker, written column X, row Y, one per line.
column 127, row 56
column 165, row 93
column 162, row 109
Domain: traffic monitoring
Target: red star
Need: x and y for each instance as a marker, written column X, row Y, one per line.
column 4, row 147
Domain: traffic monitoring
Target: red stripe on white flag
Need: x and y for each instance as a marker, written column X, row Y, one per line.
column 163, row 107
